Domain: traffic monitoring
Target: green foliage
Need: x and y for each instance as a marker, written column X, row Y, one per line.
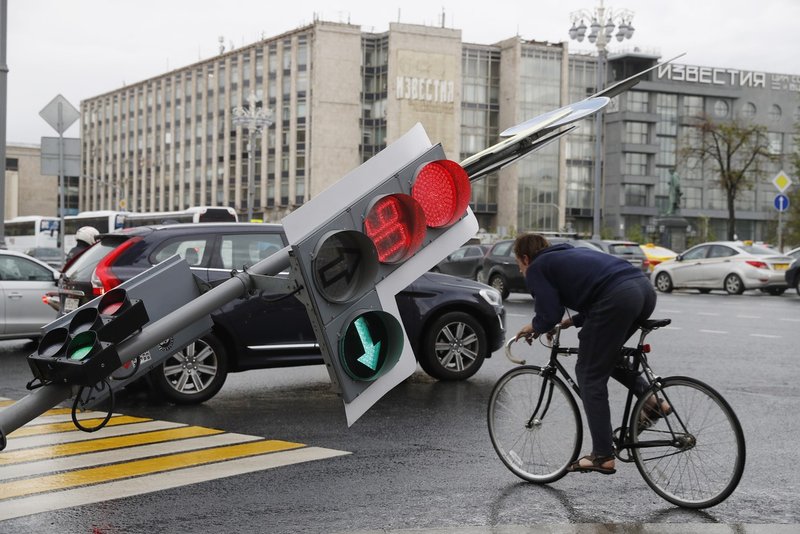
column 635, row 234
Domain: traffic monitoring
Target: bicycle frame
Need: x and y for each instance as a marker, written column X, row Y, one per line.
column 634, row 359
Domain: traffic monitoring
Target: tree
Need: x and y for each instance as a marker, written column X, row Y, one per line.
column 736, row 151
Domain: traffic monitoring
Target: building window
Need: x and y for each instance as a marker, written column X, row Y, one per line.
column 721, row 108
column 12, row 164
column 667, row 110
column 636, row 133
column 775, row 140
column 638, row 101
column 635, row 195
column 692, row 106
column 636, row 164
column 775, row 113
column 748, row 110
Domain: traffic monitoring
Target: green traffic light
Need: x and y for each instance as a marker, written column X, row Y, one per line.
column 80, row 353
column 371, row 350
column 371, row 345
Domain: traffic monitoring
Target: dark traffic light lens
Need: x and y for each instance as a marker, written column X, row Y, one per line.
column 442, row 189
column 344, row 265
column 396, row 224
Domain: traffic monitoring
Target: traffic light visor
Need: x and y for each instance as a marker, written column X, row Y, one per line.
column 442, row 189
column 396, row 225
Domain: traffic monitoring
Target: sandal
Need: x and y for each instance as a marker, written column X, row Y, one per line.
column 595, row 467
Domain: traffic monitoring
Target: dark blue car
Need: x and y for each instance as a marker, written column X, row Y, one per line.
column 453, row 324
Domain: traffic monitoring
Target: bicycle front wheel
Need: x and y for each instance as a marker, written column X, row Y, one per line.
column 534, row 424
column 705, row 461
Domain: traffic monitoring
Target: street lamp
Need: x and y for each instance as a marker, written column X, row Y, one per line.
column 602, row 24
column 254, row 120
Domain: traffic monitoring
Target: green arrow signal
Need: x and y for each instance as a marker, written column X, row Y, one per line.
column 371, row 350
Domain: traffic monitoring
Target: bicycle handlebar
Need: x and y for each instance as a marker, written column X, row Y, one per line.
column 553, row 336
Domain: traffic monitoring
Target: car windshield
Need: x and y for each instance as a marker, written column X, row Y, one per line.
column 83, row 266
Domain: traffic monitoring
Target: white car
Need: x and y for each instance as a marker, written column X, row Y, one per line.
column 733, row 266
column 23, row 283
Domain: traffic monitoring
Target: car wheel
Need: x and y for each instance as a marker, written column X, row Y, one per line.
column 478, row 276
column 664, row 282
column 499, row 283
column 797, row 286
column 775, row 291
column 704, row 290
column 454, row 347
column 733, row 284
column 194, row 374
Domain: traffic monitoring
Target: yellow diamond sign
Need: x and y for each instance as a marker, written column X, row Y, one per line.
column 782, row 181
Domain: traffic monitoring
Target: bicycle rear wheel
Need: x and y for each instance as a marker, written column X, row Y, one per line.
column 534, row 424
column 706, row 462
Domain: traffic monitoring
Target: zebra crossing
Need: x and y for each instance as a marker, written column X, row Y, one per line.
column 48, row 464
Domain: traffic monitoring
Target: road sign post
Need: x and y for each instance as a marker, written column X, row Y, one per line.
column 60, row 115
column 782, row 182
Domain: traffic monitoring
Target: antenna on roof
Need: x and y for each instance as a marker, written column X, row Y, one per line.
column 221, row 40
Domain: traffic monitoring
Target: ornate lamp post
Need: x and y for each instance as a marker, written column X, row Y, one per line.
column 254, row 120
column 603, row 22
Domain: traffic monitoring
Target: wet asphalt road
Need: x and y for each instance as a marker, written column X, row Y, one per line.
column 422, row 460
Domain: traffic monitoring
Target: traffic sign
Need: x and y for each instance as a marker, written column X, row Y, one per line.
column 781, row 182
column 60, row 114
column 781, row 202
column 363, row 240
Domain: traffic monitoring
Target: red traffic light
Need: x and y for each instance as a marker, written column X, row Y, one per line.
column 442, row 189
column 396, row 225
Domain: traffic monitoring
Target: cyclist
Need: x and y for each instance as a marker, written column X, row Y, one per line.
column 611, row 297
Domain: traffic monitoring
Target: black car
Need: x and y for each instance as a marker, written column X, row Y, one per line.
column 500, row 269
column 465, row 262
column 629, row 251
column 793, row 275
column 452, row 324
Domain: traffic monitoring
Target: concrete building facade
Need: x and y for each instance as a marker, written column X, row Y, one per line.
column 339, row 95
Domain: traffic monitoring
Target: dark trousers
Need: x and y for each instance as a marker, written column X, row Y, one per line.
column 612, row 319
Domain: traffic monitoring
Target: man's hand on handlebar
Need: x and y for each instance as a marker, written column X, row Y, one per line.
column 528, row 333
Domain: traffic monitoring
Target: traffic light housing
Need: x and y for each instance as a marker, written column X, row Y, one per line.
column 359, row 243
column 83, row 352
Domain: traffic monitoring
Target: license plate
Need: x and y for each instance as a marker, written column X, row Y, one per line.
column 70, row 305
column 780, row 266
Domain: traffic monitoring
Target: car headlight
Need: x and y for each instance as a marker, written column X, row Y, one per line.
column 492, row 296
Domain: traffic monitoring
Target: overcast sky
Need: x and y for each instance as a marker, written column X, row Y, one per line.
column 82, row 48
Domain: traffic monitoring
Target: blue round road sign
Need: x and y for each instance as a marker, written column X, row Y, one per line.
column 781, row 202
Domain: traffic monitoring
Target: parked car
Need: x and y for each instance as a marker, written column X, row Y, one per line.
column 656, row 255
column 500, row 269
column 465, row 262
column 50, row 255
column 627, row 250
column 23, row 283
column 452, row 324
column 734, row 266
column 793, row 275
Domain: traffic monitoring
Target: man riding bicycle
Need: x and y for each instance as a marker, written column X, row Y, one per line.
column 611, row 297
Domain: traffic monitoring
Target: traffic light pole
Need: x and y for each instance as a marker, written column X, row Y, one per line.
column 240, row 283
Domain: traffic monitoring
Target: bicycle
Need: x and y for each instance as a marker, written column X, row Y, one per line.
column 690, row 451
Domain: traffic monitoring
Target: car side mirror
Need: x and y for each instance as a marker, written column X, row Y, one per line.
column 679, row 257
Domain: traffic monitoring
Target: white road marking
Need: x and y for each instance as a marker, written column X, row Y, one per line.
column 714, row 331
column 766, row 336
column 748, row 317
column 708, row 313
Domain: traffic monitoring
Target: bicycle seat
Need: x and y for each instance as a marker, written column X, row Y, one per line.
column 652, row 324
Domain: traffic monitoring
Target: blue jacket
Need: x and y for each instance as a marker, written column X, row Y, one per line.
column 562, row 276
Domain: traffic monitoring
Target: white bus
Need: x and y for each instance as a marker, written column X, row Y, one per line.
column 32, row 231
column 191, row 215
column 104, row 221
